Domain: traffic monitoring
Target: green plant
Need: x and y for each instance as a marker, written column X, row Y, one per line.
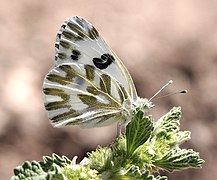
column 147, row 148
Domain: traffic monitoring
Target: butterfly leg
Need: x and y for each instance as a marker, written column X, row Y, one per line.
column 119, row 129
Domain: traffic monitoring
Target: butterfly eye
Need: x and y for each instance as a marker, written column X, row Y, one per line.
column 104, row 61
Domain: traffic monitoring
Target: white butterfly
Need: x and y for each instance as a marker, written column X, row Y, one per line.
column 88, row 86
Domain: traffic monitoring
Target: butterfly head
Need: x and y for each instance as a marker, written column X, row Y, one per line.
column 143, row 104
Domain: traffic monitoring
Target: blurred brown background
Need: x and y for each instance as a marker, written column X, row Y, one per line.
column 157, row 41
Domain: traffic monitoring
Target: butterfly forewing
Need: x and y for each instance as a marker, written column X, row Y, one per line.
column 79, row 42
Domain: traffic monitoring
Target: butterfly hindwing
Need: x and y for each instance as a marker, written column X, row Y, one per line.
column 78, row 94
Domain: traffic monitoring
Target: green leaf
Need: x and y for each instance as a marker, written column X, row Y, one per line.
column 49, row 169
column 134, row 172
column 138, row 131
column 35, row 171
column 179, row 159
column 179, row 138
column 169, row 123
column 101, row 159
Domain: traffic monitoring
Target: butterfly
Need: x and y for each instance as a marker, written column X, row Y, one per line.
column 88, row 86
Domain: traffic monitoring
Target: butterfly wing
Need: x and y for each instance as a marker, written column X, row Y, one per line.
column 79, row 42
column 89, row 86
column 78, row 94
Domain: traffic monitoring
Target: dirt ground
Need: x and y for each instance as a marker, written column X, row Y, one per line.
column 157, row 41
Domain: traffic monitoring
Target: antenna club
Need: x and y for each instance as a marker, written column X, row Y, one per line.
column 184, row 91
column 170, row 82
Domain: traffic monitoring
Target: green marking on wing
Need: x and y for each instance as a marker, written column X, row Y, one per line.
column 93, row 102
column 70, row 72
column 75, row 28
column 88, row 100
column 90, row 74
column 122, row 93
column 66, row 115
column 105, row 118
column 59, row 79
column 93, row 34
column 65, row 44
column 57, row 92
column 93, row 90
column 98, row 118
column 63, row 80
column 69, row 35
column 105, row 83
column 57, row 104
column 61, row 55
column 81, row 33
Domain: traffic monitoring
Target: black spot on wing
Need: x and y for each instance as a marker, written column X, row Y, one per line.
column 104, row 61
column 76, row 52
column 59, row 35
column 75, row 55
column 57, row 45
column 63, row 26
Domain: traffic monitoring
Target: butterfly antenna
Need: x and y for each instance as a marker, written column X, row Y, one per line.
column 178, row 92
column 163, row 87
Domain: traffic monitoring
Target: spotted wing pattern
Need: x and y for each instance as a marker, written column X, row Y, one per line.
column 78, row 41
column 89, row 86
